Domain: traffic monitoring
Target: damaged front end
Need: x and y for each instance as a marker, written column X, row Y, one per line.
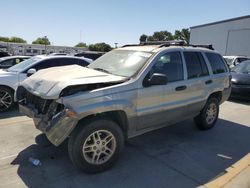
column 49, row 115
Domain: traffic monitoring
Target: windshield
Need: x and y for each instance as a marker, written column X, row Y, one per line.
column 121, row 62
column 23, row 65
column 229, row 60
column 242, row 68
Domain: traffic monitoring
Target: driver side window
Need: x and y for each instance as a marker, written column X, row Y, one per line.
column 169, row 64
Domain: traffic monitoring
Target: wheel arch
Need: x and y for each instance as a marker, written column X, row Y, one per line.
column 217, row 95
column 118, row 116
column 8, row 87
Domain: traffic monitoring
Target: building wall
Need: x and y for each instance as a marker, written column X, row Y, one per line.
column 229, row 38
column 37, row 49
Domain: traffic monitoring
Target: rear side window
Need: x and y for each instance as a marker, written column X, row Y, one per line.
column 83, row 63
column 242, row 59
column 55, row 62
column 216, row 62
column 196, row 65
column 9, row 62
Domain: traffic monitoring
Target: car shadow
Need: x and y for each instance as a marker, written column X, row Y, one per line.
column 13, row 112
column 175, row 156
column 240, row 101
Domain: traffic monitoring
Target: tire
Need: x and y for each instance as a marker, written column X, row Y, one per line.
column 6, row 99
column 205, row 121
column 83, row 136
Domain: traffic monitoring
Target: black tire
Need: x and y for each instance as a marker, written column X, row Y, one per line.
column 80, row 136
column 9, row 99
column 201, row 120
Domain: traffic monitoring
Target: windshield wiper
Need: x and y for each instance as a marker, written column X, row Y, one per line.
column 102, row 70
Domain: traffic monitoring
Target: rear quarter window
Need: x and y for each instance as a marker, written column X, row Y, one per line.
column 217, row 64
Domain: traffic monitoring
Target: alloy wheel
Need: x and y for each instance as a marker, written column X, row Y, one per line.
column 99, row 147
column 5, row 100
column 211, row 113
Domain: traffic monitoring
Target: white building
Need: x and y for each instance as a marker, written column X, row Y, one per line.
column 37, row 49
column 229, row 37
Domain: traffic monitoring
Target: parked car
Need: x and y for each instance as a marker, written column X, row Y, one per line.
column 4, row 54
column 90, row 54
column 124, row 93
column 235, row 60
column 241, row 81
column 12, row 77
column 54, row 54
column 9, row 61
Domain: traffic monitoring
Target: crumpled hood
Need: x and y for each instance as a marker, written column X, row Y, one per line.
column 49, row 83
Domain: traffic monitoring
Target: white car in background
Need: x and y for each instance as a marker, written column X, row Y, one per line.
column 12, row 77
column 235, row 60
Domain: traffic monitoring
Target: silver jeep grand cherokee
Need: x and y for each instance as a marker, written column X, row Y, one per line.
column 124, row 93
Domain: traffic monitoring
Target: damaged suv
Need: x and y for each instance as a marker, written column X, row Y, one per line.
column 126, row 92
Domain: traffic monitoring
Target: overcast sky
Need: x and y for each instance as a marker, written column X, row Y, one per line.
column 109, row 21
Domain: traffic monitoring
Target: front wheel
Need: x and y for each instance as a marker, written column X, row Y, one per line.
column 209, row 115
column 96, row 146
column 6, row 99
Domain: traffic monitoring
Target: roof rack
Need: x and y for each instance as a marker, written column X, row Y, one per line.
column 171, row 43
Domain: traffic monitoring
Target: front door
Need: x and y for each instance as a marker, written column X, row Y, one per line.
column 158, row 105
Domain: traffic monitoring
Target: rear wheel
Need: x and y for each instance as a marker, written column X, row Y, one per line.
column 209, row 115
column 6, row 99
column 96, row 146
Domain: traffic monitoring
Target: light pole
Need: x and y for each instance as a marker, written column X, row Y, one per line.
column 45, row 49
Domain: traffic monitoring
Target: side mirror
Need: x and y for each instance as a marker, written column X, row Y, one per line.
column 157, row 79
column 30, row 72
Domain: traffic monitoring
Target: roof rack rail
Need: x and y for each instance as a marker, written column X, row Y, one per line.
column 171, row 43
column 180, row 42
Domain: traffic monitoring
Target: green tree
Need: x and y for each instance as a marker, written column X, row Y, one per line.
column 102, row 47
column 81, row 44
column 143, row 38
column 17, row 40
column 183, row 34
column 162, row 36
column 42, row 40
column 4, row 39
column 150, row 38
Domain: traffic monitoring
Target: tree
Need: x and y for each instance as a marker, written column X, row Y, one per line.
column 150, row 38
column 143, row 38
column 101, row 47
column 17, row 40
column 4, row 39
column 160, row 36
column 81, row 44
column 13, row 39
column 42, row 40
column 183, row 34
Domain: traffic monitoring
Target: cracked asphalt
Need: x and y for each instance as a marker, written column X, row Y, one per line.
column 176, row 156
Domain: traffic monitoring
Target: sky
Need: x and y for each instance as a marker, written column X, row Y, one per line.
column 67, row 22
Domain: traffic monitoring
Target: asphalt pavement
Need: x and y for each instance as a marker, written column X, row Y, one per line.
column 176, row 156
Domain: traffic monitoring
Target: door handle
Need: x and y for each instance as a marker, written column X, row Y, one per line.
column 180, row 88
column 208, row 82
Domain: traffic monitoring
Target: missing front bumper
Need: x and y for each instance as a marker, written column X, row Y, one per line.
column 57, row 129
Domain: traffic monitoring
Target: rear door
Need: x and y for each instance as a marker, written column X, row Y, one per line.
column 220, row 72
column 198, row 80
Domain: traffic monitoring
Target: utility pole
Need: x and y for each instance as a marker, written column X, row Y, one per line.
column 45, row 49
column 80, row 35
